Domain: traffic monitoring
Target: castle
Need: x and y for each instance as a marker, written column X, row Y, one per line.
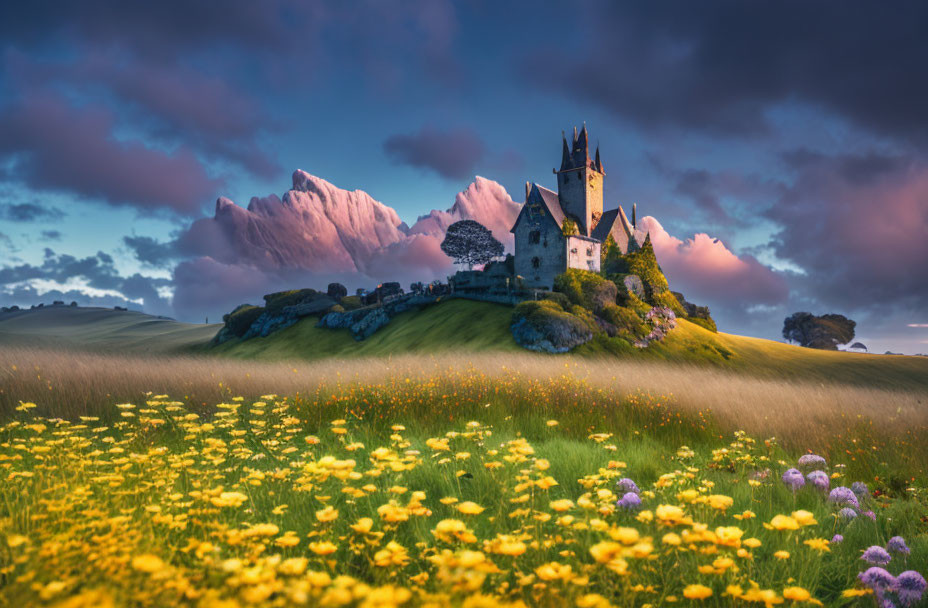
column 568, row 228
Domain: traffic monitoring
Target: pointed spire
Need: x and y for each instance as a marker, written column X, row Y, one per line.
column 565, row 153
column 599, row 164
column 634, row 213
column 575, row 136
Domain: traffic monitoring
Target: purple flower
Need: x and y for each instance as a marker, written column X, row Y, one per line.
column 909, row 586
column 870, row 514
column 819, row 479
column 897, row 545
column 837, row 538
column 843, row 496
column 811, row 461
column 793, row 479
column 860, row 489
column 847, row 513
column 877, row 579
column 627, row 485
column 876, row 555
column 630, row 501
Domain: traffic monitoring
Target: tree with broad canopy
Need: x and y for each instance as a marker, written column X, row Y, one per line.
column 469, row 242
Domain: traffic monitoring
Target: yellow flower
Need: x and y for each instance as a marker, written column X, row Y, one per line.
column 363, row 525
column 671, row 539
column 781, row 554
column 553, row 571
column 856, row 592
column 751, row 543
column 327, row 514
column 323, row 548
column 470, row 508
column 552, row 423
column 605, row 551
column 147, row 563
column 797, row 594
column 394, row 554
column 669, row 515
column 697, row 592
column 804, row 518
column 720, row 502
column 819, row 544
column 746, row 515
column 782, row 522
column 561, row 505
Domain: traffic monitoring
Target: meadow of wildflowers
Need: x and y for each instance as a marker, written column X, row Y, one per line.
column 364, row 498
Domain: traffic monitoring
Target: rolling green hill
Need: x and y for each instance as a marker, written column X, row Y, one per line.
column 451, row 327
column 101, row 329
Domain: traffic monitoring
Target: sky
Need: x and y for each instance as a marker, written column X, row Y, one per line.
column 779, row 149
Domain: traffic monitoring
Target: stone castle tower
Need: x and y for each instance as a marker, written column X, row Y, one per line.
column 580, row 182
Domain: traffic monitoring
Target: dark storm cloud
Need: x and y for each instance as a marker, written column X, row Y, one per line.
column 30, row 212
column 721, row 65
column 98, row 271
column 858, row 225
column 152, row 252
column 54, row 146
column 452, row 154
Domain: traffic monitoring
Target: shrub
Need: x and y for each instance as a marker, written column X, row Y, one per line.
column 706, row 323
column 627, row 322
column 585, row 288
column 239, row 320
column 643, row 262
column 666, row 298
column 543, row 325
column 276, row 302
column 555, row 296
column 351, row 302
column 337, row 291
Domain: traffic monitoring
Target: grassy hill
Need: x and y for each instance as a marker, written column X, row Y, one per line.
column 451, row 327
column 100, row 329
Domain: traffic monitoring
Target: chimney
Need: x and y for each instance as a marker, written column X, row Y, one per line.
column 634, row 212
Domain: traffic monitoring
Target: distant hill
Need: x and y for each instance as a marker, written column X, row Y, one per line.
column 101, row 329
column 455, row 326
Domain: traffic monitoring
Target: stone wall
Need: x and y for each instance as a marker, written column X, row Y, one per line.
column 550, row 252
column 583, row 253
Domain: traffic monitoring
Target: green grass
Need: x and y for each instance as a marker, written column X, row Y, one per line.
column 101, row 329
column 452, row 326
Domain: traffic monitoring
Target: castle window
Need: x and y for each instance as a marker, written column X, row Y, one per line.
column 534, row 236
column 536, row 262
column 589, row 252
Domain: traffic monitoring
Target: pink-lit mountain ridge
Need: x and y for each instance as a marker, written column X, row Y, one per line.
column 318, row 232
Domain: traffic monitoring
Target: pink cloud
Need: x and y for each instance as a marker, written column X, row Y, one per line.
column 705, row 270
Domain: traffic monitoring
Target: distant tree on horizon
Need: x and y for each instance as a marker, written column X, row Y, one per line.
column 470, row 242
column 825, row 332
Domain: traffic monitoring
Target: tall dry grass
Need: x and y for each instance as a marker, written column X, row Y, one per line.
column 68, row 384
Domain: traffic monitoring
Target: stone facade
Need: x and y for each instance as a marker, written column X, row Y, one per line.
column 566, row 229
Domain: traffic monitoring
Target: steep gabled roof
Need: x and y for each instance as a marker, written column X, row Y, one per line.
column 615, row 222
column 547, row 199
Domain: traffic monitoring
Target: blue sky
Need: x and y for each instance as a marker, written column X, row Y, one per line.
column 791, row 132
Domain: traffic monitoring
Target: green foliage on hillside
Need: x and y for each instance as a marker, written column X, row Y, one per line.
column 351, row 302
column 587, row 289
column 706, row 323
column 239, row 320
column 275, row 302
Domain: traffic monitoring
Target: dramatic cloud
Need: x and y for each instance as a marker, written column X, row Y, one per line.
column 858, row 226
column 452, row 154
column 97, row 273
column 54, row 146
column 152, row 252
column 30, row 212
column 705, row 270
column 722, row 65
